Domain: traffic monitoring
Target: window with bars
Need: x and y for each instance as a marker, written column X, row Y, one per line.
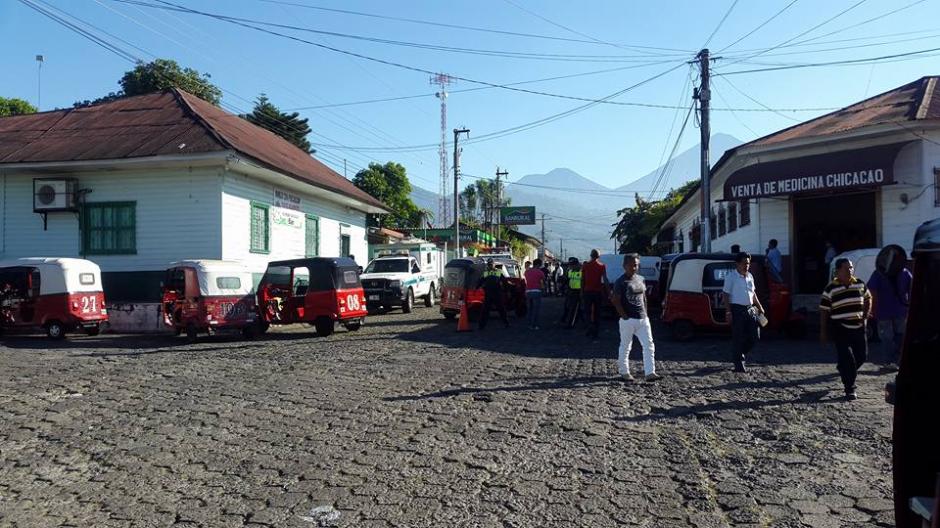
column 745, row 213
column 260, row 228
column 712, row 220
column 344, row 245
column 312, row 236
column 695, row 236
column 732, row 216
column 722, row 221
column 109, row 228
column 681, row 241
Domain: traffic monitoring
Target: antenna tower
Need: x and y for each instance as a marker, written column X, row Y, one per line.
column 443, row 204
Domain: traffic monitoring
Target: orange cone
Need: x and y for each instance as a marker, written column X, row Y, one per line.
column 463, row 324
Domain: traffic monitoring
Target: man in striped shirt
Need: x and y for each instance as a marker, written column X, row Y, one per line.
column 843, row 312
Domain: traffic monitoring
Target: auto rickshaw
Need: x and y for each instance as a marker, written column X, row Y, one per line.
column 320, row 291
column 693, row 296
column 209, row 296
column 514, row 292
column 461, row 276
column 916, row 391
column 58, row 295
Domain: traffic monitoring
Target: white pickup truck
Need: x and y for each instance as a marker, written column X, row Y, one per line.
column 397, row 280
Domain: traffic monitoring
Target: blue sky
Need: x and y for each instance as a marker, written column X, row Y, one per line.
column 611, row 144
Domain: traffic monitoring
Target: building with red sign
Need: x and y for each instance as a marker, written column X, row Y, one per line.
column 861, row 177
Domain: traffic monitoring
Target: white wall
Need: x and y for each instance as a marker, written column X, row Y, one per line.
column 178, row 216
column 239, row 190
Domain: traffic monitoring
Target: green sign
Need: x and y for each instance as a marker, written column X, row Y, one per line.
column 524, row 215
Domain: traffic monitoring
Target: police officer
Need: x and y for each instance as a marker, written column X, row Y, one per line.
column 492, row 283
column 573, row 297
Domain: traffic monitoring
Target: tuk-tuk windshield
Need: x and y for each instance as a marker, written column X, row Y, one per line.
column 347, row 278
column 277, row 275
column 388, row 266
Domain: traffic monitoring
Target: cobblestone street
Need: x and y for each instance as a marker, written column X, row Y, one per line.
column 408, row 423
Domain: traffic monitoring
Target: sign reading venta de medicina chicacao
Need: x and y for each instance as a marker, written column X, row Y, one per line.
column 838, row 171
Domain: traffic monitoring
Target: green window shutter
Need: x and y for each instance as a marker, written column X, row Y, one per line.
column 260, row 229
column 344, row 245
column 109, row 228
column 312, row 236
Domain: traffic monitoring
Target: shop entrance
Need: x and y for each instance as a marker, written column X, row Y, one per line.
column 846, row 221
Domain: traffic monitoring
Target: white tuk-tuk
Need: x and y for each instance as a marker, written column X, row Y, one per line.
column 209, row 296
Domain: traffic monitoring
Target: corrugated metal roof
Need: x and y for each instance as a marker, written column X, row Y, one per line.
column 172, row 122
column 915, row 101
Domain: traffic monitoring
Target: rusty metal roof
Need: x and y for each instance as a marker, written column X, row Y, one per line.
column 916, row 101
column 171, row 122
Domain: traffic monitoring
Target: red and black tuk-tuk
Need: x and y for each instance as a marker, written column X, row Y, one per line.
column 209, row 296
column 320, row 291
column 462, row 280
column 916, row 391
column 56, row 294
column 693, row 296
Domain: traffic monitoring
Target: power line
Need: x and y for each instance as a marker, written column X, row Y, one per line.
column 762, row 24
column 732, row 85
column 868, row 60
column 862, row 23
column 720, row 23
column 668, row 166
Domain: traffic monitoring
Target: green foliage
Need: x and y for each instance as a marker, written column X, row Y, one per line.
column 389, row 184
column 14, row 106
column 478, row 203
column 289, row 126
column 638, row 225
column 159, row 75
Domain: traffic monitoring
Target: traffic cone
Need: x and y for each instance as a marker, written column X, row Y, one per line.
column 463, row 324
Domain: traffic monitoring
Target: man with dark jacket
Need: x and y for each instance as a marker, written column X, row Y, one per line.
column 573, row 294
column 493, row 283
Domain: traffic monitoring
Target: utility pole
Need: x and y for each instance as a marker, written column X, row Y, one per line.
column 39, row 59
column 703, row 94
column 543, row 235
column 443, row 80
column 499, row 200
column 457, row 132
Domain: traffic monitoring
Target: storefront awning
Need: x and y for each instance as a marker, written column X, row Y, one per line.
column 847, row 170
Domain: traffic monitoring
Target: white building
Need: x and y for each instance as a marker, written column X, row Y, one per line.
column 144, row 181
column 864, row 176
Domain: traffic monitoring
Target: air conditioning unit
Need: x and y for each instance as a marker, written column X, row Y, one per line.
column 54, row 194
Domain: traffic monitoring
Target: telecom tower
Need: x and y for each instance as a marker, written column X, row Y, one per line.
column 443, row 204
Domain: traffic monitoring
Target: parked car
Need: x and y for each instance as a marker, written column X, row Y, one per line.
column 649, row 269
column 916, row 391
column 58, row 295
column 693, row 297
column 397, row 280
column 209, row 296
column 321, row 291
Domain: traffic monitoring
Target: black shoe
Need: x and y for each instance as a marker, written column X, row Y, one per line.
column 851, row 396
column 740, row 368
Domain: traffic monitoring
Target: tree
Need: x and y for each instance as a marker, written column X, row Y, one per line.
column 14, row 106
column 389, row 184
column 638, row 225
column 161, row 74
column 478, row 202
column 289, row 126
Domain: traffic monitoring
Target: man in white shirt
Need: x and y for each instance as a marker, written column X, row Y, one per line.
column 741, row 308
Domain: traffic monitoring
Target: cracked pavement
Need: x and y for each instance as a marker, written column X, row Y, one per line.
column 408, row 423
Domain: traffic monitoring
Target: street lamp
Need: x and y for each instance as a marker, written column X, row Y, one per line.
column 39, row 59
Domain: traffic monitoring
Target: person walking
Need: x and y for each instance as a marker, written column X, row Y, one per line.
column 534, row 279
column 843, row 312
column 492, row 283
column 774, row 257
column 742, row 308
column 629, row 299
column 573, row 294
column 891, row 294
column 594, row 275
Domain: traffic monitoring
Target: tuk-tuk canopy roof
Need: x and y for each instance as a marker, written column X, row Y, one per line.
column 927, row 237
column 686, row 271
column 209, row 265
column 214, row 276
column 317, row 262
column 61, row 274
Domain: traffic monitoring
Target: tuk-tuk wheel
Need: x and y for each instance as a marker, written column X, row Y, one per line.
column 683, row 330
column 430, row 297
column 354, row 326
column 177, row 331
column 324, row 327
column 55, row 330
column 93, row 330
column 408, row 304
column 450, row 315
column 191, row 333
column 263, row 327
column 250, row 331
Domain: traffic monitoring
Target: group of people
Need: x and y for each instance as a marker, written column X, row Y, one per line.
column 846, row 306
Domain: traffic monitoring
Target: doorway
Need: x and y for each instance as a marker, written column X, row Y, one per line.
column 846, row 221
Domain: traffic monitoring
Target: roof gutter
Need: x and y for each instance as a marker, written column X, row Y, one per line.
column 206, row 159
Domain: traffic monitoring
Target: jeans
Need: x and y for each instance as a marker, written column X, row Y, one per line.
column 592, row 311
column 745, row 331
column 534, row 301
column 852, row 350
column 891, row 332
column 644, row 332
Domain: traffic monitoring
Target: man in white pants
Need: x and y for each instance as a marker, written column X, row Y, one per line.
column 629, row 298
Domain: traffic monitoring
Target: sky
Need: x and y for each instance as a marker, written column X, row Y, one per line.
column 641, row 47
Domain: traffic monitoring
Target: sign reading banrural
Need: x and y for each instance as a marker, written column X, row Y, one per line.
column 523, row 215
